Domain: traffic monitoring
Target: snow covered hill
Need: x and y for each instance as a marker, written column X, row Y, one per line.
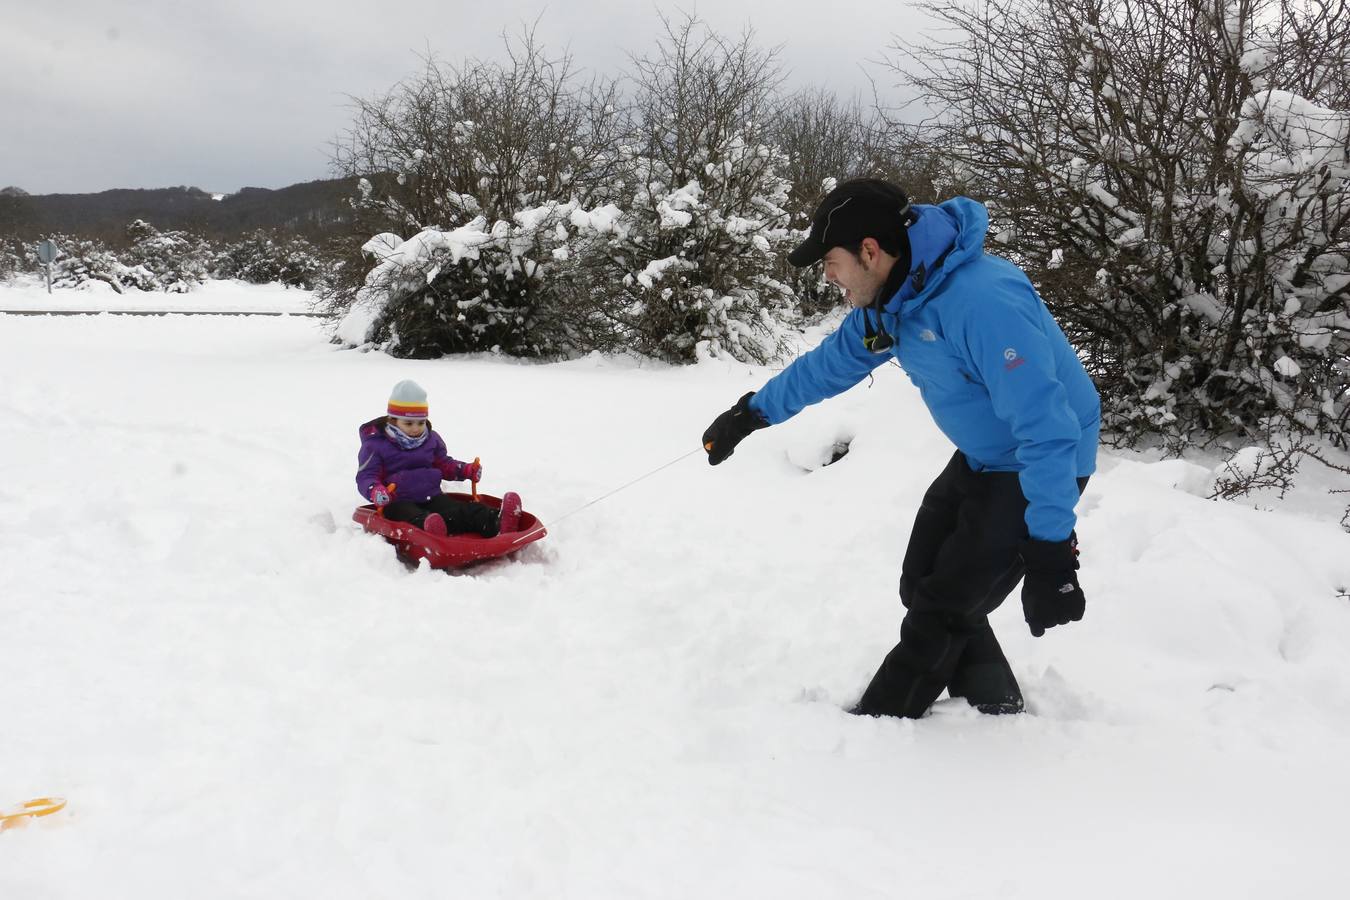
column 242, row 695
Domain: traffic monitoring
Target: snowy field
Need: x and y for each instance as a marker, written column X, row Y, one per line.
column 242, row 696
column 212, row 296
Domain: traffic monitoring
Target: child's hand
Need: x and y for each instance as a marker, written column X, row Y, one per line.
column 379, row 496
column 454, row 470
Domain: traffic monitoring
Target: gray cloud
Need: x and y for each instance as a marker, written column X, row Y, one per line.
column 97, row 95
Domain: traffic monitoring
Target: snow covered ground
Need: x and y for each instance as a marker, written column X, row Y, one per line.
column 211, row 296
column 241, row 695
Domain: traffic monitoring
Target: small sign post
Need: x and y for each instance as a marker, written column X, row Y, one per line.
column 47, row 252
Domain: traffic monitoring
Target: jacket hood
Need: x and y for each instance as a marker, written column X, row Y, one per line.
column 943, row 238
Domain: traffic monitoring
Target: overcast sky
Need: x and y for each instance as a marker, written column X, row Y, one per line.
column 99, row 94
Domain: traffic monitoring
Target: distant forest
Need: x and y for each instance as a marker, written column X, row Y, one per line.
column 314, row 210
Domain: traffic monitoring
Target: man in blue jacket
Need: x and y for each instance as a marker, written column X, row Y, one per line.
column 1001, row 381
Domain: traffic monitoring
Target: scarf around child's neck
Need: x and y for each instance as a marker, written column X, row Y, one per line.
column 407, row 443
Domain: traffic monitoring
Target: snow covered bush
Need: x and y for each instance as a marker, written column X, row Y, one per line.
column 11, row 258
column 170, row 261
column 1174, row 176
column 82, row 260
column 693, row 252
column 475, row 287
column 484, row 161
column 688, row 271
column 265, row 258
column 175, row 260
column 547, row 217
column 17, row 222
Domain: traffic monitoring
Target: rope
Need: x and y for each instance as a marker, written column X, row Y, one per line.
column 629, row 484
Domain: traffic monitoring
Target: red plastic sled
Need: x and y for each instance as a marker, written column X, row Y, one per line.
column 452, row 551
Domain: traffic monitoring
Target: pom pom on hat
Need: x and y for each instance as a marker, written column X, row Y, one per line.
column 408, row 401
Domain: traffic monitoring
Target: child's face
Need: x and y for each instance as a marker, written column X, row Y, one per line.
column 411, row 427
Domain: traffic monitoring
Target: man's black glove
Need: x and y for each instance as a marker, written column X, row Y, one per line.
column 730, row 428
column 1050, row 594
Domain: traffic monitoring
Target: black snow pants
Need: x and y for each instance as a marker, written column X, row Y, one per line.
column 963, row 560
column 461, row 516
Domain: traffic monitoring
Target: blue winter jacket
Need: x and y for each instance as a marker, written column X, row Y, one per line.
column 992, row 365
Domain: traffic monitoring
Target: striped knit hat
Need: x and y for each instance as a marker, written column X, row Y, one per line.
column 408, row 401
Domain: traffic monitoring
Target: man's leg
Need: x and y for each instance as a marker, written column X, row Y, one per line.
column 983, row 677
column 917, row 669
column 963, row 560
column 933, row 525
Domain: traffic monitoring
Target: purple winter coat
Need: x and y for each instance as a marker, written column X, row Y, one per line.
column 417, row 473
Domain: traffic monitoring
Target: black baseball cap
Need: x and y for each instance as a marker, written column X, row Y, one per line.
column 856, row 209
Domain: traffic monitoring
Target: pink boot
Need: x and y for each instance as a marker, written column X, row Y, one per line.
column 510, row 512
column 434, row 524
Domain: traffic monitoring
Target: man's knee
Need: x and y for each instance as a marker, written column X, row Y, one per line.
column 909, row 584
column 928, row 640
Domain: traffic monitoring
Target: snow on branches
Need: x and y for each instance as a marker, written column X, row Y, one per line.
column 1173, row 175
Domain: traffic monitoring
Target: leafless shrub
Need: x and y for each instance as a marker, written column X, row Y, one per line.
column 1173, row 175
column 1260, row 469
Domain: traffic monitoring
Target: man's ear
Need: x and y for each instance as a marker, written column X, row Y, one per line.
column 870, row 251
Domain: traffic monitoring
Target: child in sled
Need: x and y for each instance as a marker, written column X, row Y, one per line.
column 403, row 462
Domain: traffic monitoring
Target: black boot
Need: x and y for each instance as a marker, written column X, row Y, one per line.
column 984, row 678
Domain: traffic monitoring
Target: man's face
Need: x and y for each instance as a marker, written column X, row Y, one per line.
column 861, row 276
